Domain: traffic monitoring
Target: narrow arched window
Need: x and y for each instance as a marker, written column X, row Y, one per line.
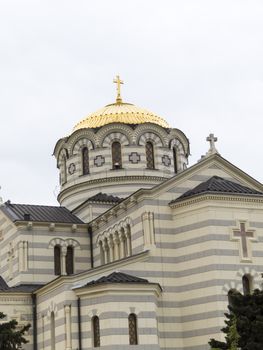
column 133, row 336
column 116, row 155
column 52, row 330
column 64, row 170
column 246, row 282
column 85, row 161
column 57, row 260
column 175, row 160
column 149, row 155
column 96, row 331
column 70, row 260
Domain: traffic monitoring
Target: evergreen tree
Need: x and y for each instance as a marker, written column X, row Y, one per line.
column 10, row 337
column 244, row 323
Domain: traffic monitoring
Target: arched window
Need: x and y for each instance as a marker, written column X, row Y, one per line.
column 57, row 259
column 64, row 170
column 85, row 161
column 133, row 336
column 52, row 330
column 96, row 331
column 70, row 260
column 246, row 281
column 175, row 160
column 116, row 155
column 149, row 155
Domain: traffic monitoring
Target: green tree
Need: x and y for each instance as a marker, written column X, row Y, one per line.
column 244, row 323
column 10, row 337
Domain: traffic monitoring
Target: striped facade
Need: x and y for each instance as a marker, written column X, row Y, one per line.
column 185, row 253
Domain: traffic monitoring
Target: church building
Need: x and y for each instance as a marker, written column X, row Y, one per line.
column 142, row 250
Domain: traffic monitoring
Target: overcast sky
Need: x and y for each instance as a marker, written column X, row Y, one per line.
column 198, row 64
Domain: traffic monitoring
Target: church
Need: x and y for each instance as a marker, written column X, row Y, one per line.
column 142, row 249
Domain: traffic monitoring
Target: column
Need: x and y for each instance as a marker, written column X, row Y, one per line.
column 25, row 255
column 105, row 250
column 128, row 240
column 63, row 260
column 111, row 247
column 67, row 309
column 116, row 246
column 20, row 256
column 122, row 246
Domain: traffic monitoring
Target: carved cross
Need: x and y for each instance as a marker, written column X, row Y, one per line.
column 99, row 160
column 134, row 158
column 212, row 139
column 118, row 82
column 243, row 235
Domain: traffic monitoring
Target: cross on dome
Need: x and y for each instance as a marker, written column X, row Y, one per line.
column 118, row 81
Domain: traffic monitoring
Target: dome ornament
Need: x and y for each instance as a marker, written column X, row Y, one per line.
column 118, row 81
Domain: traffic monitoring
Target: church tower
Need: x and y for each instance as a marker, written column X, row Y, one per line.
column 115, row 151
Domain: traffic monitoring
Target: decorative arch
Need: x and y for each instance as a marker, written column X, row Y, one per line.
column 63, row 154
column 56, row 241
column 237, row 283
column 151, row 129
column 152, row 137
column 75, row 140
column 72, row 242
column 80, row 144
column 123, row 129
column 179, row 157
column 113, row 137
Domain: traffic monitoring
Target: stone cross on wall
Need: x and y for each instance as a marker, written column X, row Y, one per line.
column 99, row 160
column 242, row 235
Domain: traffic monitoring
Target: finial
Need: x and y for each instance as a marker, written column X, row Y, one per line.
column 212, row 139
column 118, row 82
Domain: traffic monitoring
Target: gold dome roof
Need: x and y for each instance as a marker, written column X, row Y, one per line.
column 120, row 112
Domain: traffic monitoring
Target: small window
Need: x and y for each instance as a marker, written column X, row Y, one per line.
column 133, row 337
column 96, row 331
column 85, row 161
column 116, row 155
column 57, row 260
column 70, row 260
column 175, row 160
column 246, row 281
column 149, row 155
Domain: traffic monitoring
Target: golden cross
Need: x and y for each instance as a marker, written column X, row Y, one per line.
column 118, row 82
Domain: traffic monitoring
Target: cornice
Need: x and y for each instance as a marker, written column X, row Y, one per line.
column 115, row 179
column 217, row 197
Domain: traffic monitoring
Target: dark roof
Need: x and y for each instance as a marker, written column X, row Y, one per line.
column 103, row 197
column 118, row 277
column 217, row 184
column 39, row 213
column 24, row 288
column 100, row 197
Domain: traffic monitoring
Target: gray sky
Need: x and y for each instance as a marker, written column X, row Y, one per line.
column 198, row 64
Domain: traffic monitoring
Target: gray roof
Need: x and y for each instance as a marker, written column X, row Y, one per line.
column 104, row 197
column 23, row 288
column 217, row 184
column 118, row 277
column 39, row 213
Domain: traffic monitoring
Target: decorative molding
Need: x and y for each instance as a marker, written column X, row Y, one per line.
column 72, row 168
column 166, row 160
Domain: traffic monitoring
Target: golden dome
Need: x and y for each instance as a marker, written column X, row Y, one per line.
column 120, row 112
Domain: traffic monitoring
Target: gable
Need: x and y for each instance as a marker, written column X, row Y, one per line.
column 201, row 172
